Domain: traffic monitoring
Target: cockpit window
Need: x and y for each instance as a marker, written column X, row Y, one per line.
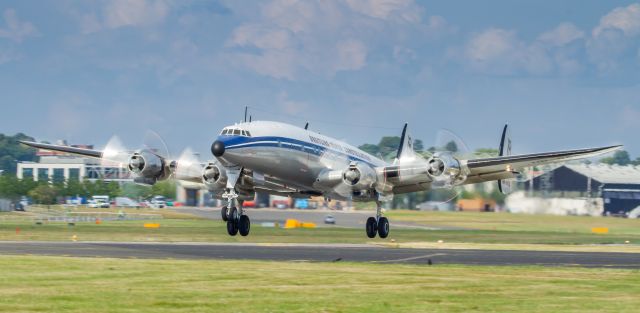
column 237, row 132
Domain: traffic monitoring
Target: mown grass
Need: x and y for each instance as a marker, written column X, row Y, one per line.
column 196, row 230
column 57, row 284
column 476, row 228
column 518, row 222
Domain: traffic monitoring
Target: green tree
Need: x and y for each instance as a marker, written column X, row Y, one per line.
column 12, row 151
column 44, row 194
column 165, row 188
column 486, row 152
column 370, row 148
column 418, row 146
column 620, row 157
column 135, row 191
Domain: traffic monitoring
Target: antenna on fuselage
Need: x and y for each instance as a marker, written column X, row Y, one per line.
column 249, row 118
column 245, row 113
column 306, row 126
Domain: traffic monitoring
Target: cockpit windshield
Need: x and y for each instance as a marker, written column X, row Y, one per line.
column 234, row 131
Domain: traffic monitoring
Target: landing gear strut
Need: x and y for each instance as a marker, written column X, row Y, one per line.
column 377, row 225
column 234, row 216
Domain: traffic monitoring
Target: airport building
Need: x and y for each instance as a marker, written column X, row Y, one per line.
column 59, row 167
column 617, row 186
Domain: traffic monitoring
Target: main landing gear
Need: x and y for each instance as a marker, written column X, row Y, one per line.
column 234, row 216
column 377, row 225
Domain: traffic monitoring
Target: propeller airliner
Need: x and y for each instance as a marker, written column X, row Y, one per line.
column 283, row 159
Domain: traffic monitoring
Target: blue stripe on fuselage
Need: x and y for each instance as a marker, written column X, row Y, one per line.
column 239, row 142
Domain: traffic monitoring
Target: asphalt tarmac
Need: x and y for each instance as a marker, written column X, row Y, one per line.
column 321, row 253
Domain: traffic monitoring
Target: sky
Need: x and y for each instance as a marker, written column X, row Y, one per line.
column 563, row 74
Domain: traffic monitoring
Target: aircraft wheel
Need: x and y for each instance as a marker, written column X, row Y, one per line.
column 223, row 212
column 383, row 227
column 244, row 225
column 232, row 227
column 233, row 215
column 371, row 227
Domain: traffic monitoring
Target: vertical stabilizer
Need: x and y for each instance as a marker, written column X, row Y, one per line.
column 505, row 186
column 405, row 150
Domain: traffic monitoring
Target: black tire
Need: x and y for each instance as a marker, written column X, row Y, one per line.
column 371, row 227
column 244, row 225
column 223, row 212
column 233, row 215
column 383, row 227
column 232, row 227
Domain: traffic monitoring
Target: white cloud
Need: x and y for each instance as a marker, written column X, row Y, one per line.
column 120, row 13
column 15, row 29
column 352, row 55
column 491, row 44
column 625, row 19
column 564, row 34
column 499, row 51
column 611, row 40
column 385, row 9
column 291, row 107
column 292, row 38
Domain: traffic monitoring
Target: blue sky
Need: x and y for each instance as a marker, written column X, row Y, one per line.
column 563, row 74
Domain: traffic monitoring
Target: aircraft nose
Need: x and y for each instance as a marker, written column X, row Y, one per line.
column 217, row 148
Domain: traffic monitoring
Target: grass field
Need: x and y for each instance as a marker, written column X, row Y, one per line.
column 56, row 284
column 478, row 230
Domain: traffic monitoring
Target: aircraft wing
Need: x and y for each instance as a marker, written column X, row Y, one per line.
column 66, row 149
column 505, row 167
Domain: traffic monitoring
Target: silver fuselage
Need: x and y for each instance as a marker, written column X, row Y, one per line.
column 291, row 154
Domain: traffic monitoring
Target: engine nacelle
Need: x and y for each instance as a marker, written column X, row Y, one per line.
column 445, row 169
column 214, row 176
column 148, row 166
column 358, row 176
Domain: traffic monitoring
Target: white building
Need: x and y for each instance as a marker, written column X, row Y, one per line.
column 60, row 167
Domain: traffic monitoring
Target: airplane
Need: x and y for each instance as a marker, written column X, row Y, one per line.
column 283, row 159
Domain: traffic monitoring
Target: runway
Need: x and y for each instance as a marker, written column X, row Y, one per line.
column 321, row 253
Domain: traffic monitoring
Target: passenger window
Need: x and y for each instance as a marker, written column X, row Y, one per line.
column 236, row 132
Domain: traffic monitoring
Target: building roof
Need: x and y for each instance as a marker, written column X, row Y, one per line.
column 608, row 174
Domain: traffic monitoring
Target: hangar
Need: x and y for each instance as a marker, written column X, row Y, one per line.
column 618, row 186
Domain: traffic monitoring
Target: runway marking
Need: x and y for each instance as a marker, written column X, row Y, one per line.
column 410, row 259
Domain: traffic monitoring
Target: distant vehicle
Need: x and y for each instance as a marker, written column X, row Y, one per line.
column 249, row 204
column 330, row 219
column 476, row 205
column 24, row 201
column 281, row 204
column 434, row 206
column 301, row 204
column 19, row 207
column 124, row 202
column 98, row 204
column 158, row 202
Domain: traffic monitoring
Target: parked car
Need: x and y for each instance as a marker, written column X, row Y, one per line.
column 124, row 202
column 158, row 202
column 330, row 219
column 98, row 204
